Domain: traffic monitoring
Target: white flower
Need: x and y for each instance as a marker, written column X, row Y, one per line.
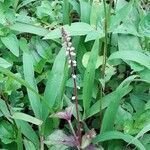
column 69, row 61
column 74, row 76
column 68, row 48
column 78, row 87
column 74, row 65
column 74, row 61
column 72, row 54
column 72, row 49
column 69, row 44
column 73, row 98
column 68, row 38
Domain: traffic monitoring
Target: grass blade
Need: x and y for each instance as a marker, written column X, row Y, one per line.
column 113, row 135
column 89, row 76
column 56, row 83
column 118, row 94
column 28, row 70
column 135, row 56
column 28, row 28
column 28, row 132
column 25, row 117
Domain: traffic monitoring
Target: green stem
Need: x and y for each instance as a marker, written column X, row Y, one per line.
column 41, row 142
column 105, row 41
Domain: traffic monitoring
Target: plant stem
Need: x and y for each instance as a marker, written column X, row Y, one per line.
column 105, row 41
column 71, row 127
column 76, row 103
column 41, row 142
column 71, row 64
column 102, row 89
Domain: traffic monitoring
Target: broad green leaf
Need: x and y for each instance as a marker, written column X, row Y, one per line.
column 127, row 27
column 144, row 26
column 4, row 109
column 116, row 135
column 28, row 132
column 56, row 78
column 127, row 81
column 135, row 56
column 106, row 100
column 28, row 70
column 66, row 11
column 75, row 5
column 129, row 42
column 86, row 57
column 95, row 34
column 28, row 28
column 7, row 133
column 28, row 118
column 85, row 9
column 78, row 28
column 19, row 140
column 89, row 76
column 95, row 13
column 121, row 15
column 29, row 145
column 4, row 63
column 111, row 111
column 20, row 80
column 12, row 43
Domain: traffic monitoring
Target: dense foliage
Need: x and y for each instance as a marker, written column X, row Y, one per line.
column 74, row 74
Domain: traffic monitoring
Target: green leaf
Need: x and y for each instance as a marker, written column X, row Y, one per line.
column 28, row 70
column 11, row 42
column 4, row 63
column 127, row 27
column 20, row 80
column 121, row 15
column 28, row 145
column 28, row 132
column 113, row 135
column 19, row 140
column 89, row 76
column 111, row 111
column 78, row 28
column 7, row 133
column 135, row 56
column 28, row 118
column 144, row 26
column 4, row 109
column 95, row 13
column 106, row 100
column 129, row 42
column 66, row 11
column 28, row 28
column 86, row 57
column 56, row 80
column 85, row 9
